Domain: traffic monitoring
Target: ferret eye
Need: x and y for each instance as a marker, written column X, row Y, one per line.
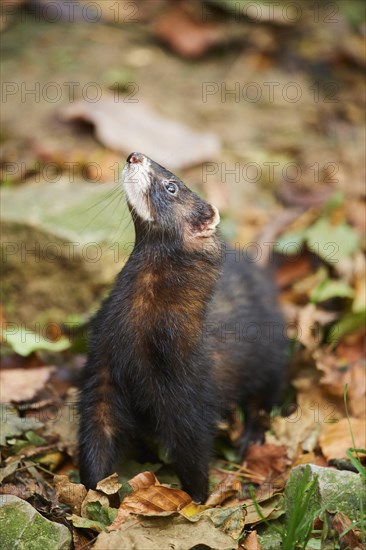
column 171, row 187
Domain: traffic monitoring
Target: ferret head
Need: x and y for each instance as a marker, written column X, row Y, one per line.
column 160, row 202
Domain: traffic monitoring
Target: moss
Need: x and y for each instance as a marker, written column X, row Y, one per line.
column 25, row 529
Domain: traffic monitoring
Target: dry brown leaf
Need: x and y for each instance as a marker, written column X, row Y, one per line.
column 224, row 490
column 128, row 127
column 336, row 438
column 79, row 539
column 185, row 36
column 23, row 384
column 306, row 324
column 152, row 500
column 143, row 480
column 251, row 542
column 109, row 485
column 337, row 372
column 63, row 423
column 267, row 460
column 72, row 494
column 271, row 508
column 293, row 432
column 352, row 539
column 292, row 271
column 162, row 533
column 156, row 499
column 310, row 458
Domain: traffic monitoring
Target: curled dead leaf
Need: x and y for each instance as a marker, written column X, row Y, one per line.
column 72, row 494
column 184, row 35
column 110, row 485
column 251, row 542
column 143, row 480
column 224, row 490
column 335, row 439
column 268, row 460
column 23, row 384
column 337, row 372
column 352, row 538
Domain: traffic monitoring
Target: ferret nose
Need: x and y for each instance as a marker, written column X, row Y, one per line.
column 135, row 158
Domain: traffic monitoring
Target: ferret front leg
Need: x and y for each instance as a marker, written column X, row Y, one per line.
column 189, row 452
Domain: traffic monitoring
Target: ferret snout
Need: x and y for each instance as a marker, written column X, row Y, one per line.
column 135, row 158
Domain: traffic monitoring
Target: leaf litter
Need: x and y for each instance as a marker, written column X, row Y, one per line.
column 322, row 293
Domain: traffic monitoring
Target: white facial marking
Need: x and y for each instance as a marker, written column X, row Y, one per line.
column 216, row 218
column 136, row 183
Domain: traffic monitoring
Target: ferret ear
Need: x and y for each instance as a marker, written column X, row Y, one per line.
column 208, row 227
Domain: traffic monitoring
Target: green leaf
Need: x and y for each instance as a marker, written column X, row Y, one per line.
column 85, row 523
column 24, row 342
column 290, row 243
column 12, row 425
column 335, row 201
column 18, row 445
column 102, row 514
column 331, row 289
column 331, row 242
column 349, row 323
column 35, row 439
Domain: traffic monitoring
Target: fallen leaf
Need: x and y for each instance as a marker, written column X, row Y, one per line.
column 151, row 500
column 271, row 508
column 267, row 460
column 86, row 523
column 230, row 520
column 335, row 439
column 337, row 372
column 91, row 497
column 224, row 490
column 69, row 493
column 330, row 288
column 23, row 384
column 155, row 499
column 10, row 466
column 64, row 422
column 110, row 485
column 183, row 34
column 131, row 127
column 152, row 533
column 50, row 460
column 13, row 425
column 300, row 430
column 290, row 272
column 143, row 480
column 352, row 538
column 331, row 242
column 251, row 542
column 24, row 342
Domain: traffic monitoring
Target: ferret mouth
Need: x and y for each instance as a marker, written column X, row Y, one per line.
column 136, row 177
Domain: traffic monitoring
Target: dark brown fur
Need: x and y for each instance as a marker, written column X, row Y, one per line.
column 164, row 361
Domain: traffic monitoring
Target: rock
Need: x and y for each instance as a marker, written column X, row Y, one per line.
column 336, row 490
column 25, row 529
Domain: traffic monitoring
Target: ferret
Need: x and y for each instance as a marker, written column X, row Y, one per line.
column 189, row 330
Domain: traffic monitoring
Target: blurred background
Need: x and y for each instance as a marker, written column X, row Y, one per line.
column 256, row 105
